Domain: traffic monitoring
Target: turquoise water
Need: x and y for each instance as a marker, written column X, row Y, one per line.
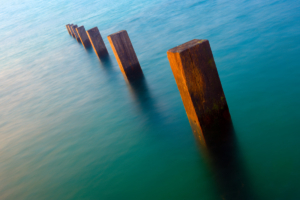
column 72, row 128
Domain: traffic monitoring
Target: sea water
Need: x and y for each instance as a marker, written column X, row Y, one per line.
column 72, row 128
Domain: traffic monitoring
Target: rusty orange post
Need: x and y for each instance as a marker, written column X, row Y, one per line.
column 125, row 55
column 83, row 36
column 97, row 42
column 200, row 88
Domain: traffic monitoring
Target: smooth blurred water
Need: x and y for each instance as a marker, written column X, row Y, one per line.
column 73, row 128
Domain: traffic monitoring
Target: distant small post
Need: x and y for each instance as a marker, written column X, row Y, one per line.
column 97, row 42
column 125, row 55
column 75, row 33
column 67, row 26
column 200, row 88
column 71, row 30
column 83, row 36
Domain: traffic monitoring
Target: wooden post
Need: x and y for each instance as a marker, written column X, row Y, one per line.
column 83, row 36
column 75, row 33
column 71, row 30
column 200, row 88
column 67, row 26
column 125, row 55
column 97, row 42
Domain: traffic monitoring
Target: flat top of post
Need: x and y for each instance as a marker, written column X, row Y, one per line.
column 186, row 45
column 80, row 28
column 117, row 33
column 92, row 29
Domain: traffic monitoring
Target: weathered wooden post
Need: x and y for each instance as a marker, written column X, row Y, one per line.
column 125, row 55
column 83, row 36
column 67, row 26
column 200, row 88
column 75, row 33
column 70, row 29
column 97, row 42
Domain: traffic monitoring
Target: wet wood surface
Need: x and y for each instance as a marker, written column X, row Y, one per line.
column 200, row 88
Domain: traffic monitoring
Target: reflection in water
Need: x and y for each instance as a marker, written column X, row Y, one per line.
column 225, row 162
column 106, row 62
column 220, row 150
column 89, row 49
column 141, row 94
column 138, row 88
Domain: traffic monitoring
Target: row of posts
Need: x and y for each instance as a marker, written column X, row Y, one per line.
column 195, row 73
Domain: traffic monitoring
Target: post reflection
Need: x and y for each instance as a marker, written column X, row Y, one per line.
column 89, row 49
column 140, row 92
column 224, row 160
column 106, row 62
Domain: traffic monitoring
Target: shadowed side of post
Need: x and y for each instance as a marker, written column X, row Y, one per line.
column 83, row 36
column 200, row 88
column 125, row 55
column 97, row 42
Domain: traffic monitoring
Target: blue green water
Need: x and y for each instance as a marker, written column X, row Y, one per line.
column 72, row 128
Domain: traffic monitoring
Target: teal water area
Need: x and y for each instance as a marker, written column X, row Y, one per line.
column 72, row 128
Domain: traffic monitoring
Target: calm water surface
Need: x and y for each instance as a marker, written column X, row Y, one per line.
column 72, row 128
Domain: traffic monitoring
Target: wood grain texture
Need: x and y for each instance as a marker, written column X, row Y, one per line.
column 200, row 88
column 125, row 55
column 83, row 36
column 97, row 42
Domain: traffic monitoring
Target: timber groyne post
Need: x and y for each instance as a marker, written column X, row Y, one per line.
column 97, row 42
column 71, row 30
column 75, row 33
column 83, row 36
column 200, row 88
column 125, row 55
column 67, row 26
